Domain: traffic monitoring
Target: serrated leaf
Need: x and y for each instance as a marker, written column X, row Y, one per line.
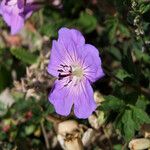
column 128, row 125
column 130, row 121
column 24, row 55
column 112, row 103
column 142, row 102
column 140, row 116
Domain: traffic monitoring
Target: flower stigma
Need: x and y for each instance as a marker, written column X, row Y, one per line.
column 77, row 71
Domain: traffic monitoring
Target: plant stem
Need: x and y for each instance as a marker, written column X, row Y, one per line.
column 45, row 135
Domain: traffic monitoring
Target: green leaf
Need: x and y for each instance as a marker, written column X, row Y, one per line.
column 49, row 109
column 1, row 51
column 48, row 125
column 29, row 129
column 128, row 125
column 124, row 30
column 144, row 8
column 141, row 55
column 24, row 55
column 115, row 53
column 112, row 103
column 111, row 27
column 130, row 120
column 140, row 116
column 117, row 147
column 142, row 102
column 128, row 64
column 87, row 22
column 49, row 30
column 122, row 74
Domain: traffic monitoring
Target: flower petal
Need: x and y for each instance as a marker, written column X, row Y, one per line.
column 58, row 56
column 17, row 23
column 64, row 51
column 61, row 97
column 20, row 3
column 29, row 8
column 84, row 103
column 7, row 18
column 91, row 62
column 70, row 40
column 66, row 35
column 61, row 55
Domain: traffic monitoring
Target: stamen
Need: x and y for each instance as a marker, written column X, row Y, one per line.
column 60, row 70
column 64, row 72
column 63, row 75
column 72, row 72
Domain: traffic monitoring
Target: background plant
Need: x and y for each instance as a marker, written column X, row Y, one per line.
column 119, row 29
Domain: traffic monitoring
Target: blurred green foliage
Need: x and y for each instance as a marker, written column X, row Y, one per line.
column 120, row 30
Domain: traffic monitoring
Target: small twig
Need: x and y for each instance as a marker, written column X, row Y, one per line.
column 3, row 38
column 45, row 135
column 53, row 119
column 124, row 146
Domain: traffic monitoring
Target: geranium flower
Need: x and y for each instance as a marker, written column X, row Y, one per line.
column 75, row 65
column 15, row 12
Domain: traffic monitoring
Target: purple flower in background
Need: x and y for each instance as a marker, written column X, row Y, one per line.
column 15, row 12
column 76, row 65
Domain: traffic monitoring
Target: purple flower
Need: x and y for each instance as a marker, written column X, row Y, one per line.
column 15, row 12
column 75, row 65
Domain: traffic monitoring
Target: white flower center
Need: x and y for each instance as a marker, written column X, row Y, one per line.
column 77, row 71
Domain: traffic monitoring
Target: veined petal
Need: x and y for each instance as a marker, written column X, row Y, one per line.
column 61, row 97
column 91, row 62
column 84, row 103
column 71, row 35
column 58, row 56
